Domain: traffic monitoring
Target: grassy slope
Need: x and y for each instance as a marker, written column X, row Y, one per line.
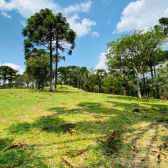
column 23, row 112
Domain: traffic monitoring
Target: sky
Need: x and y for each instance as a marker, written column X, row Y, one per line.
column 96, row 22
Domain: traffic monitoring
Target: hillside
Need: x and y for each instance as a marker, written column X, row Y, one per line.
column 81, row 129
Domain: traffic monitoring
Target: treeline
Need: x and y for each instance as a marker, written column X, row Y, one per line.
column 98, row 80
column 120, row 82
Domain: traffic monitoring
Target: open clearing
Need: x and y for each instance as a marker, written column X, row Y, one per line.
column 100, row 130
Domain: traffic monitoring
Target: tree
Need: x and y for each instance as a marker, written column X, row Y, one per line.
column 64, row 37
column 163, row 79
column 38, row 67
column 3, row 74
column 71, row 74
column 62, row 74
column 40, row 31
column 100, row 74
column 7, row 73
column 92, row 81
column 44, row 29
column 133, row 50
column 76, row 75
column 27, row 78
column 12, row 74
column 31, row 59
column 164, row 22
column 19, row 81
column 84, row 75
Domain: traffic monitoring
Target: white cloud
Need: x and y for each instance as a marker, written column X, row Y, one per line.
column 6, row 15
column 23, row 23
column 82, row 28
column 108, row 22
column 86, row 6
column 142, row 14
column 101, row 64
column 28, row 7
column 95, row 34
column 82, row 7
column 20, row 69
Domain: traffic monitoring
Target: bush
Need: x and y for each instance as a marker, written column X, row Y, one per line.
column 144, row 96
column 96, row 88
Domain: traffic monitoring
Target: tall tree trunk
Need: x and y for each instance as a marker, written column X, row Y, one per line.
column 151, row 69
column 64, row 78
column 138, row 83
column 27, row 85
column 148, row 90
column 144, row 84
column 70, row 79
column 157, row 88
column 78, row 84
column 56, row 64
column 10, row 85
column 51, row 87
column 4, row 83
column 84, row 84
column 42, row 84
column 5, row 78
column 38, row 84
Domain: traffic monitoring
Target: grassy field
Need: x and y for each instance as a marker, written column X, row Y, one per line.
column 137, row 129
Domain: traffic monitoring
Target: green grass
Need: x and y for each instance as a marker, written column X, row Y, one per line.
column 23, row 112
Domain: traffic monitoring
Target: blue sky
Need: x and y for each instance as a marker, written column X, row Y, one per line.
column 95, row 21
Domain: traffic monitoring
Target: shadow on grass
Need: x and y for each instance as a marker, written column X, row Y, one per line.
column 21, row 128
column 21, row 156
column 117, row 117
column 114, row 120
column 5, row 142
column 43, row 121
column 26, row 154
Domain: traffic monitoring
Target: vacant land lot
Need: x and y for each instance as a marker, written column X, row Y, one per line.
column 79, row 129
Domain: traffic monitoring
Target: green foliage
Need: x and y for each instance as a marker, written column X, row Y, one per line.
column 163, row 80
column 164, row 22
column 45, row 28
column 38, row 67
column 7, row 73
column 20, row 82
column 96, row 88
column 135, row 50
column 40, row 31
